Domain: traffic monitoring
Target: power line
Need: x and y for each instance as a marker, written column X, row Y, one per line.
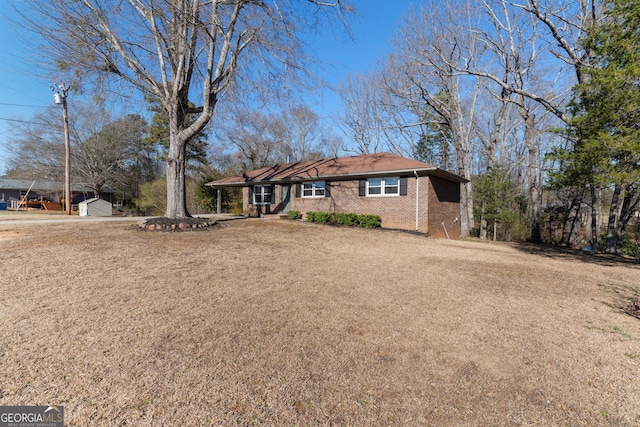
column 29, row 122
column 23, row 105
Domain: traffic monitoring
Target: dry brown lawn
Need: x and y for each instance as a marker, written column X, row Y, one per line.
column 285, row 323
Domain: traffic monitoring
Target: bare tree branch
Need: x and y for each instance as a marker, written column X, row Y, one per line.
column 179, row 51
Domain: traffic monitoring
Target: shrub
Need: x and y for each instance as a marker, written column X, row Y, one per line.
column 153, row 197
column 323, row 217
column 346, row 219
column 236, row 209
column 293, row 214
column 629, row 248
column 351, row 219
column 369, row 221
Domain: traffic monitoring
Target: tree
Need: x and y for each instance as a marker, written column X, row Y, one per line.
column 253, row 136
column 547, row 32
column 434, row 146
column 177, row 51
column 197, row 147
column 422, row 86
column 104, row 151
column 302, row 135
column 513, row 40
column 37, row 148
column 496, row 200
column 361, row 118
column 290, row 135
column 102, row 158
column 607, row 114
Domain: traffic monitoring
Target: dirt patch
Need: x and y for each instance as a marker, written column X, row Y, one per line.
column 287, row 323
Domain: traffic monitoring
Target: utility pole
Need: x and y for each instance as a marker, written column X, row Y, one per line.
column 60, row 97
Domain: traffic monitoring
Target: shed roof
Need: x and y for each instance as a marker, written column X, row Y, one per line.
column 41, row 185
column 337, row 168
column 95, row 200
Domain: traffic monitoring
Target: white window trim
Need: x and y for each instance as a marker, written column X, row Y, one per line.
column 383, row 187
column 314, row 190
column 262, row 193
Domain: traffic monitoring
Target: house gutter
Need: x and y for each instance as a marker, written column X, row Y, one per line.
column 417, row 199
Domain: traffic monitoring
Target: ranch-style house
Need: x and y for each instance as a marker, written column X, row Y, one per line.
column 406, row 194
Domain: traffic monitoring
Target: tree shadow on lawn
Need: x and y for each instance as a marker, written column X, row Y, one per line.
column 561, row 252
column 625, row 296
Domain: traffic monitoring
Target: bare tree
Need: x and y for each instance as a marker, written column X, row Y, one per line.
column 421, row 86
column 178, row 51
column 302, row 135
column 102, row 159
column 264, row 139
column 535, row 31
column 513, row 43
column 507, row 47
column 361, row 119
column 559, row 26
column 37, row 149
column 103, row 152
column 252, row 136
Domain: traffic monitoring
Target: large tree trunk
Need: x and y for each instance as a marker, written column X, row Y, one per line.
column 495, row 230
column 176, row 178
column 469, row 207
column 534, row 200
column 465, row 224
column 466, row 194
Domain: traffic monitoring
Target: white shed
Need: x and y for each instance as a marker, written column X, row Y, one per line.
column 95, row 207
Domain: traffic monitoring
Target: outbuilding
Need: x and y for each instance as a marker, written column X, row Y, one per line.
column 23, row 193
column 95, row 207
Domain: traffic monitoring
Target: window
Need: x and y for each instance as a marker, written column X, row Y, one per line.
column 383, row 186
column 313, row 189
column 262, row 194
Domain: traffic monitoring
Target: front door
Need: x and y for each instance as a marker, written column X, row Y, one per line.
column 285, row 197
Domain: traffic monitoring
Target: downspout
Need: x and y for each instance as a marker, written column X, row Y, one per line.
column 417, row 199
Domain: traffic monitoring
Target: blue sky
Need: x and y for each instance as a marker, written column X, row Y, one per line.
column 24, row 92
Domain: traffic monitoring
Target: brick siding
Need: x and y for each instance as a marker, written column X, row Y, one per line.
column 438, row 205
column 444, row 208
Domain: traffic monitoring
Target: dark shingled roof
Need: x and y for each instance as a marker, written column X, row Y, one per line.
column 41, row 185
column 338, row 168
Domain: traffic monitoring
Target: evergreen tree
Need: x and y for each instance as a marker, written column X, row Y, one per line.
column 606, row 125
column 434, row 146
column 497, row 202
